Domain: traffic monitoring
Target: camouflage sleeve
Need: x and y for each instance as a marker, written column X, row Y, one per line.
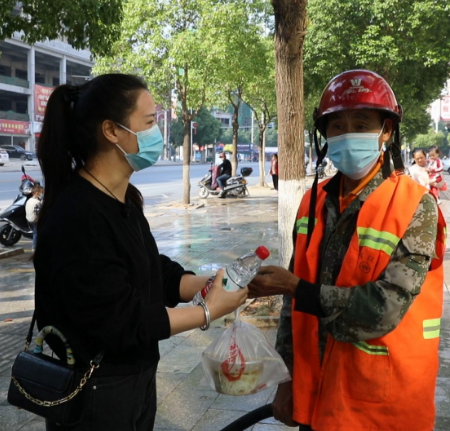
column 284, row 343
column 376, row 308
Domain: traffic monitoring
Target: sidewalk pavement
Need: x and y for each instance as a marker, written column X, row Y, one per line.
column 214, row 233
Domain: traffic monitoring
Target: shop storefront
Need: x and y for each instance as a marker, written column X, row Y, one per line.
column 14, row 132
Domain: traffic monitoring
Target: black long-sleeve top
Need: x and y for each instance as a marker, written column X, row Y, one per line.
column 225, row 167
column 101, row 281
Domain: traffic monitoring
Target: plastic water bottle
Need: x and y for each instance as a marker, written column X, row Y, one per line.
column 238, row 274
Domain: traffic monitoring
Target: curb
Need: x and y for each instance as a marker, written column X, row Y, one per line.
column 12, row 252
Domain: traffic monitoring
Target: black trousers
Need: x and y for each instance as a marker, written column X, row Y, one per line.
column 275, row 181
column 118, row 403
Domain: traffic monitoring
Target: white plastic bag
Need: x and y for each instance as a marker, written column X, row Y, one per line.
column 242, row 362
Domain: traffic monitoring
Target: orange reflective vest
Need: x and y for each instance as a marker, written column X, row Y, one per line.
column 385, row 383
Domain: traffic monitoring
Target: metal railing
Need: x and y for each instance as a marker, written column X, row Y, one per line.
column 11, row 115
column 14, row 81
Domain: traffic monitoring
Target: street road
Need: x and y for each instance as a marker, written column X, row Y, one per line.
column 158, row 184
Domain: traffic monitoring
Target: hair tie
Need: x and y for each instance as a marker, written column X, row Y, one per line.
column 72, row 93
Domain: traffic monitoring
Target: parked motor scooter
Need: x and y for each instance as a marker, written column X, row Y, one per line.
column 321, row 169
column 14, row 216
column 235, row 186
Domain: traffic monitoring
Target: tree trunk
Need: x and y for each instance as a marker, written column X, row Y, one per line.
column 290, row 23
column 186, row 160
column 235, row 124
column 262, row 158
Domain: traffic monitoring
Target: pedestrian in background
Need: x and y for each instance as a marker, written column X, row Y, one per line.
column 32, row 209
column 360, row 321
column 418, row 171
column 435, row 170
column 274, row 170
column 224, row 174
column 100, row 279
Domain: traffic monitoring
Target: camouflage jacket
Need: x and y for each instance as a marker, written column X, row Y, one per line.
column 375, row 308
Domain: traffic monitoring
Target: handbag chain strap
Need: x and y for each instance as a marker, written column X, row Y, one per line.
column 83, row 381
column 94, row 364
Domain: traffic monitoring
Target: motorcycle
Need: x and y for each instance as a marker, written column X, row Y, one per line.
column 235, row 186
column 14, row 216
column 321, row 169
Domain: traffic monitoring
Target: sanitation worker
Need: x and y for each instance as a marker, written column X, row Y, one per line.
column 363, row 298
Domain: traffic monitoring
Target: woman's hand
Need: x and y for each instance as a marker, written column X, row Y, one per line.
column 220, row 302
column 273, row 280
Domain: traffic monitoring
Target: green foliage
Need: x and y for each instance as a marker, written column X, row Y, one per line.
column 261, row 95
column 168, row 44
column 176, row 133
column 418, row 122
column 208, row 129
column 405, row 41
column 429, row 139
column 86, row 23
column 245, row 137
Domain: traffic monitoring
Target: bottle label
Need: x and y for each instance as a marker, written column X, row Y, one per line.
column 228, row 284
column 208, row 286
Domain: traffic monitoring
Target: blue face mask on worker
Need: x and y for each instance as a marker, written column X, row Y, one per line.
column 355, row 154
column 150, row 143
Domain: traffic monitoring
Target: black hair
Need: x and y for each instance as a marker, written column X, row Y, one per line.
column 419, row 150
column 72, row 124
column 435, row 148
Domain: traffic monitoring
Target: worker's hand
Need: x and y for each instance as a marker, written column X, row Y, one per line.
column 283, row 404
column 221, row 302
column 273, row 280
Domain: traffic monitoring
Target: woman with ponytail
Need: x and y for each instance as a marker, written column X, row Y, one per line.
column 100, row 279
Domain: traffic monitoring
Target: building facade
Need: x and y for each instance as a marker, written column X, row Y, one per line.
column 28, row 75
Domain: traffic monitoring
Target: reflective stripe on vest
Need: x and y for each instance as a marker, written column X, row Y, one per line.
column 431, row 328
column 372, row 350
column 302, row 225
column 378, row 240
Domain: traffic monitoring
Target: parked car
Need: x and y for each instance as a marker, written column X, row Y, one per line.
column 446, row 165
column 16, row 152
column 4, row 157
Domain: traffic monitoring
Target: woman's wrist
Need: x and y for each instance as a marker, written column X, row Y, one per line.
column 207, row 316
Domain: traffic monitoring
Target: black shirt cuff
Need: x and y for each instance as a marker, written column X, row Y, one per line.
column 307, row 298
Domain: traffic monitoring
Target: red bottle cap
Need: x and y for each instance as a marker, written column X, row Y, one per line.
column 262, row 252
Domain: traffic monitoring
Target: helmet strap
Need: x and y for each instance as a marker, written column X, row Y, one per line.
column 396, row 152
column 321, row 152
column 386, row 168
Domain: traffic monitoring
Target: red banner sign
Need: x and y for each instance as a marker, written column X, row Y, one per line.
column 445, row 108
column 41, row 96
column 14, row 127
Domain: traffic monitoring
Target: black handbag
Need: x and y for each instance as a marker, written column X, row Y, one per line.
column 47, row 386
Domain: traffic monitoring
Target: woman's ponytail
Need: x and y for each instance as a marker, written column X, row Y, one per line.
column 55, row 142
column 70, row 133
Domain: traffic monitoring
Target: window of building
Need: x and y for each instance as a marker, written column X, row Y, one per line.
column 55, row 81
column 5, row 105
column 39, row 78
column 22, row 74
column 21, row 107
column 5, row 70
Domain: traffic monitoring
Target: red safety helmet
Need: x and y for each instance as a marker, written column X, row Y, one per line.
column 356, row 89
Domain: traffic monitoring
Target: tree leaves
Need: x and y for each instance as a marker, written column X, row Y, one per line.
column 92, row 24
column 405, row 41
